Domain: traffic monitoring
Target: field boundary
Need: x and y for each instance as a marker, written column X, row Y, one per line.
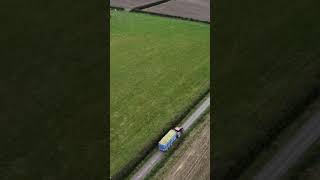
column 150, row 5
column 171, row 16
column 179, row 117
column 116, row 8
column 161, row 15
column 140, row 7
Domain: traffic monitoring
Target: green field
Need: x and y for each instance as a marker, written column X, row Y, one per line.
column 158, row 66
column 267, row 61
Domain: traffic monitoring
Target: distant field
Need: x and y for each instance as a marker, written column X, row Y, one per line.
column 267, row 64
column 158, row 66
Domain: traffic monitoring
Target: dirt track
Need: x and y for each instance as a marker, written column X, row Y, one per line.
column 192, row 9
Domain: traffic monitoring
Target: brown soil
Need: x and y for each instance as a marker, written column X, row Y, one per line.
column 129, row 4
column 193, row 9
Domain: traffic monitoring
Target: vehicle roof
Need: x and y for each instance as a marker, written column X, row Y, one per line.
column 167, row 137
column 178, row 128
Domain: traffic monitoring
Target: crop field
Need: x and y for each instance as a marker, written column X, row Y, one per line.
column 158, row 67
column 267, row 66
column 191, row 160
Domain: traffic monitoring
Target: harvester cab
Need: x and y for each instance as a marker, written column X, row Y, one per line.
column 179, row 131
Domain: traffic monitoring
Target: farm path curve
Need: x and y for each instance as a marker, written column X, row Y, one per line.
column 158, row 156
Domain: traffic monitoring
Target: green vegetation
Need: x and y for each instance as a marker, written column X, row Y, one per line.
column 267, row 61
column 158, row 67
column 53, row 91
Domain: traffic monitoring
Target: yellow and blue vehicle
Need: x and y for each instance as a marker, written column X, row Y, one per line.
column 166, row 142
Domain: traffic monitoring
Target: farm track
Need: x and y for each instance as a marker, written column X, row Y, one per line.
column 193, row 159
column 289, row 154
column 158, row 156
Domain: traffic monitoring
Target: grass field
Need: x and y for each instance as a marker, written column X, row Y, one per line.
column 267, row 61
column 158, row 66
